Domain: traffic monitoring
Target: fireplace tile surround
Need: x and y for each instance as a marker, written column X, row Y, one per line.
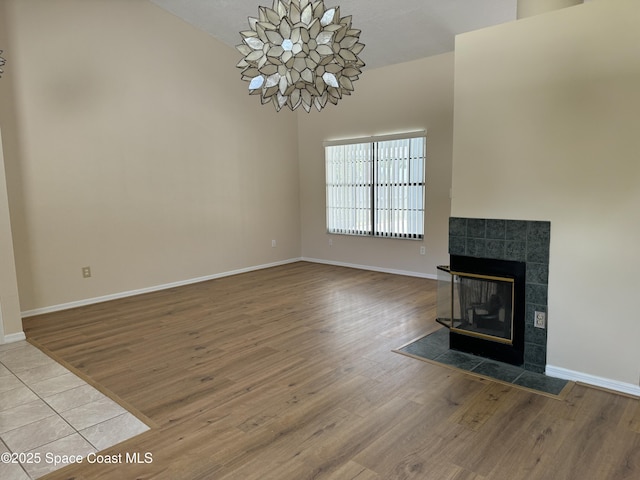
column 520, row 240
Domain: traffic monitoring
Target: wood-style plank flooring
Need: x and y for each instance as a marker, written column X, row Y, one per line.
column 288, row 373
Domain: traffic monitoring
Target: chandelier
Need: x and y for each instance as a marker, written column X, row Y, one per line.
column 300, row 53
column 2, row 62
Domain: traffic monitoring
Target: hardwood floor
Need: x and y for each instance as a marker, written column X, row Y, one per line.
column 288, row 373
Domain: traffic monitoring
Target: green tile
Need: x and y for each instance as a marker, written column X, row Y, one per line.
column 431, row 346
column 496, row 229
column 516, row 230
column 499, row 370
column 538, row 252
column 536, row 293
column 541, row 382
column 537, row 273
column 458, row 226
column 476, row 227
column 495, row 249
column 476, row 247
column 536, row 354
column 457, row 245
column 539, row 231
column 461, row 360
column 515, row 250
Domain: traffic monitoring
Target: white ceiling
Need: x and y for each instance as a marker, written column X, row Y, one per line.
column 393, row 31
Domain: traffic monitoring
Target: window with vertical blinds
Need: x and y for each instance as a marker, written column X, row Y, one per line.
column 376, row 186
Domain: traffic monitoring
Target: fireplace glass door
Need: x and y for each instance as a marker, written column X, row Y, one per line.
column 476, row 305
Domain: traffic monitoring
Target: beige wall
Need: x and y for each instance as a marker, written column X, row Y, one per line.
column 546, row 128
column 137, row 151
column 406, row 97
column 10, row 320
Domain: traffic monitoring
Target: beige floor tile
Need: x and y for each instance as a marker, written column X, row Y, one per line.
column 41, row 373
column 10, row 383
column 113, row 431
column 18, row 396
column 74, row 445
column 23, row 346
column 22, row 415
column 73, row 398
column 25, row 358
column 37, row 434
column 12, row 471
column 55, row 385
column 4, row 372
column 92, row 413
column 13, row 345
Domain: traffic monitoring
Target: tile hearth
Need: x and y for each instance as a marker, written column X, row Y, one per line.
column 435, row 347
column 46, row 409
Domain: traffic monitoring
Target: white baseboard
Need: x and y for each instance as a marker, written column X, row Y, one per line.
column 131, row 293
column 371, row 268
column 606, row 383
column 14, row 337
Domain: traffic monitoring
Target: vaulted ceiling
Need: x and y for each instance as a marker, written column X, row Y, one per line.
column 393, row 31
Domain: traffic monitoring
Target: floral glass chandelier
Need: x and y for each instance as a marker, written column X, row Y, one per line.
column 2, row 62
column 300, row 53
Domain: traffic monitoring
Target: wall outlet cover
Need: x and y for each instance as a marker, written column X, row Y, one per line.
column 540, row 319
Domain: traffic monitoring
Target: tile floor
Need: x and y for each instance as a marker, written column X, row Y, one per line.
column 435, row 347
column 47, row 410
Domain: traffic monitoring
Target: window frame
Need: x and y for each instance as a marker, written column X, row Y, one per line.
column 412, row 218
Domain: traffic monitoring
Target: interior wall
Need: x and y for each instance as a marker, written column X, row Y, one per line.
column 546, row 128
column 137, row 151
column 405, row 97
column 10, row 319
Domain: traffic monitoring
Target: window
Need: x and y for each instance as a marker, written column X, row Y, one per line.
column 376, row 186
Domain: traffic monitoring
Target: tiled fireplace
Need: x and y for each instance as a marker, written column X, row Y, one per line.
column 518, row 241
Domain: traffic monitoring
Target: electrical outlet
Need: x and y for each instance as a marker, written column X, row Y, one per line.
column 273, row 243
column 331, row 242
column 540, row 320
column 423, row 250
column 86, row 272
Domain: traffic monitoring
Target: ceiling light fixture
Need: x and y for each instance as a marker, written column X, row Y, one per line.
column 2, row 62
column 300, row 53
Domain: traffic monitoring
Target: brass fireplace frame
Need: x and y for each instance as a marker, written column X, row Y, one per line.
column 451, row 325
